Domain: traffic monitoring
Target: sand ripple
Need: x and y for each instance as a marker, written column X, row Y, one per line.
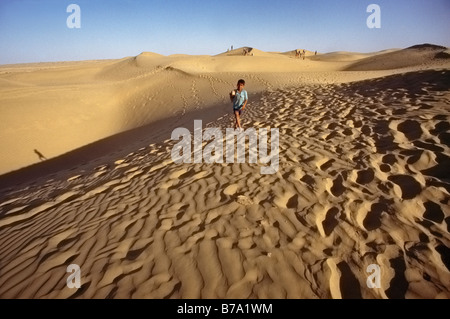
column 363, row 179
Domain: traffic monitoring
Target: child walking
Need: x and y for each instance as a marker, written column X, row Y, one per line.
column 239, row 98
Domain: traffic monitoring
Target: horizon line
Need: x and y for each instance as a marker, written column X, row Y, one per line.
column 211, row 55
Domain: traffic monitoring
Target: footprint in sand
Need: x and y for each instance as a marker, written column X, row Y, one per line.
column 342, row 281
column 287, row 199
column 433, row 212
column 372, row 220
column 385, row 168
column 365, row 176
column 411, row 129
column 336, row 187
column 330, row 221
column 324, row 163
column 409, row 186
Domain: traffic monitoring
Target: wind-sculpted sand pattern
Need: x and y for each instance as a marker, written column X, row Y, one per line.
column 363, row 179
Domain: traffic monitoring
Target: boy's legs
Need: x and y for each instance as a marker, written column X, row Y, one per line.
column 238, row 120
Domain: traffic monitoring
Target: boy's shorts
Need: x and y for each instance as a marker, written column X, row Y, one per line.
column 239, row 110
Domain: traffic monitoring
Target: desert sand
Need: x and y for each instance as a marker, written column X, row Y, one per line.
column 364, row 177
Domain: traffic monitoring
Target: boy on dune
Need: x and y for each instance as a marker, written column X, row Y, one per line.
column 239, row 98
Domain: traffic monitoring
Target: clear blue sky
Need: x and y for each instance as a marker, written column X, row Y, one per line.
column 36, row 30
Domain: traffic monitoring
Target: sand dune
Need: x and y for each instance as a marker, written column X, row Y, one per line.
column 97, row 99
column 342, row 56
column 413, row 56
column 363, row 179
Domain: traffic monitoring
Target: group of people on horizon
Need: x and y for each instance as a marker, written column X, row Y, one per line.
column 299, row 54
column 302, row 53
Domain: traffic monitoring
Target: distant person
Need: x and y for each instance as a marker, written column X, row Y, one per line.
column 315, row 53
column 304, row 54
column 297, row 53
column 231, row 48
column 239, row 97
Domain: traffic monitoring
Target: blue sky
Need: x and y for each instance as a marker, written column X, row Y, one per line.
column 36, row 30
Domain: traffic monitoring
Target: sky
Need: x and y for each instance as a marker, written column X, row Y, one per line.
column 37, row 30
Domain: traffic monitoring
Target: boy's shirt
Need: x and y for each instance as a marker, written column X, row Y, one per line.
column 239, row 99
